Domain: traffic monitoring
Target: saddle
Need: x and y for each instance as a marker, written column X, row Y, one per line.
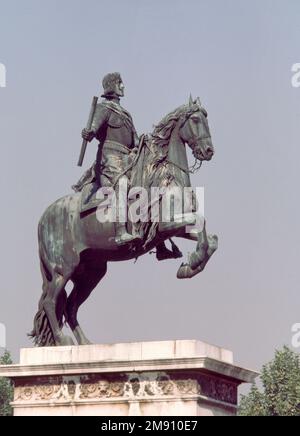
column 89, row 190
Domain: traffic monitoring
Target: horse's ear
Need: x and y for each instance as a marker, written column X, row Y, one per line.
column 191, row 101
column 199, row 101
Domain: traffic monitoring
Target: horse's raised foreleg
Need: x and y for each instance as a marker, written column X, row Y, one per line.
column 84, row 283
column 207, row 245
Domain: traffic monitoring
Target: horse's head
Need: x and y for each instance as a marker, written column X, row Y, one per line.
column 194, row 130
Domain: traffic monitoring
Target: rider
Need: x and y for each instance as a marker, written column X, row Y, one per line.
column 113, row 127
column 118, row 141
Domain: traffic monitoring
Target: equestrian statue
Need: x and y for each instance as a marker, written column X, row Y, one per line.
column 76, row 243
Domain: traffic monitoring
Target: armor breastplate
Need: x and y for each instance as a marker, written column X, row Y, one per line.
column 116, row 121
column 120, row 126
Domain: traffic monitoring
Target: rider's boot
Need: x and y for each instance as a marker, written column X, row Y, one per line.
column 122, row 235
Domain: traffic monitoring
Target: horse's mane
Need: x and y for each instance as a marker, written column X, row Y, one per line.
column 160, row 138
column 156, row 169
column 163, row 130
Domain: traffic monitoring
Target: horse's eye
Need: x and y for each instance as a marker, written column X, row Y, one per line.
column 195, row 119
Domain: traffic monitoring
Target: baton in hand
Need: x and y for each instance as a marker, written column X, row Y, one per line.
column 88, row 127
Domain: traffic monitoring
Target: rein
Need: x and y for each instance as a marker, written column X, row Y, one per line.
column 191, row 170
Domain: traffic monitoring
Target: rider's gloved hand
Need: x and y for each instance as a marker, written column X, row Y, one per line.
column 88, row 135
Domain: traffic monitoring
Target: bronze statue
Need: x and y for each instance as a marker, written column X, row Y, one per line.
column 75, row 246
column 113, row 127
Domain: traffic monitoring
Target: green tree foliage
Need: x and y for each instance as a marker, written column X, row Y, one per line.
column 280, row 395
column 6, row 388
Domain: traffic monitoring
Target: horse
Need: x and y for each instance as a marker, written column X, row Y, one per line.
column 77, row 247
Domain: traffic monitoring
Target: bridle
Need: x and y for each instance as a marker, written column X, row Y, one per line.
column 192, row 143
column 191, row 170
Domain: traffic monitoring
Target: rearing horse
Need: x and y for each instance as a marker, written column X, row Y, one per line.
column 77, row 248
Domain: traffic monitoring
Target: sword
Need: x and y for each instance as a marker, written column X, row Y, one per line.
column 88, row 127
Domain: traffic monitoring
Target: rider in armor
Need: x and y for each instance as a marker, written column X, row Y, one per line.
column 118, row 141
column 113, row 127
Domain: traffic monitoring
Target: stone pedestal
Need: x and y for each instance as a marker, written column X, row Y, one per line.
column 173, row 378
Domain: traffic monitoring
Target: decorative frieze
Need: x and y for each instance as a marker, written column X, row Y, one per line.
column 133, row 386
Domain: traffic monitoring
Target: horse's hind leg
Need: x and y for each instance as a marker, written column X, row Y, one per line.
column 54, row 296
column 84, row 283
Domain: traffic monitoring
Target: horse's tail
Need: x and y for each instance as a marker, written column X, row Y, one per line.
column 42, row 332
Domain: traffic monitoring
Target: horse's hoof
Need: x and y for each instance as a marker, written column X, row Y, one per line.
column 184, row 271
column 69, row 340
column 65, row 341
column 213, row 242
column 86, row 342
